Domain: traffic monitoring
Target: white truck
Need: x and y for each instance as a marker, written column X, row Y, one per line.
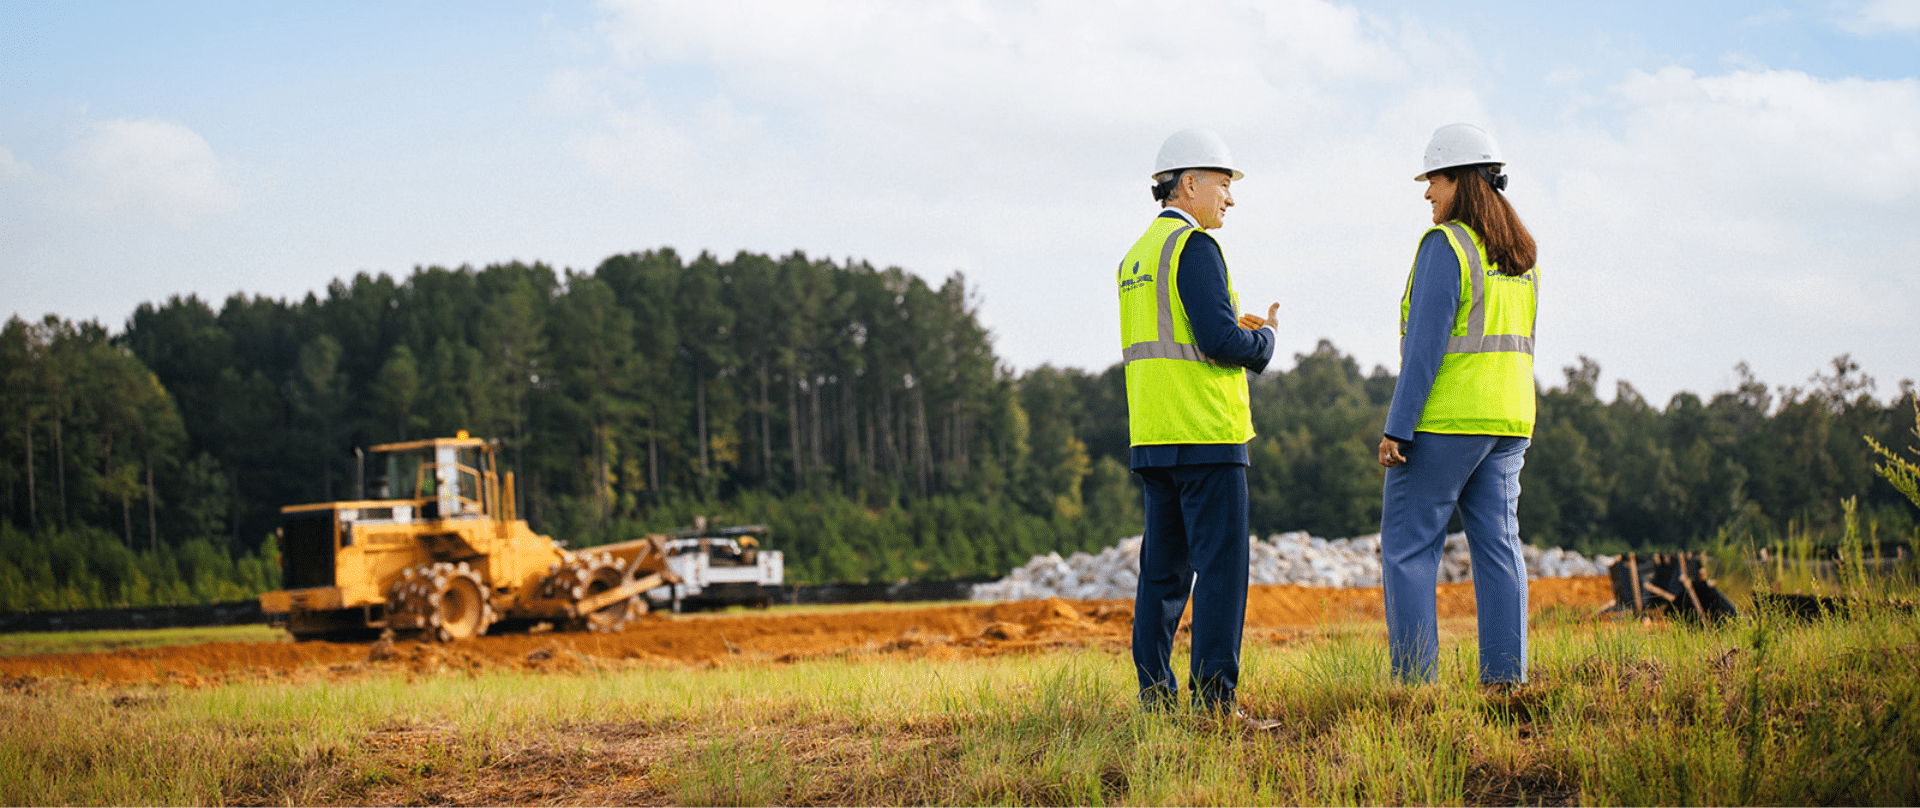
column 720, row 567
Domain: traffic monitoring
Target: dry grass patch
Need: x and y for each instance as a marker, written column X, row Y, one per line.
column 1755, row 712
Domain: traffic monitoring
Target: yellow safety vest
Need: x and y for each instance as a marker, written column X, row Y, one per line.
column 1485, row 384
column 1175, row 394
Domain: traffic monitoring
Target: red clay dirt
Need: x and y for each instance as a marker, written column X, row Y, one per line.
column 937, row 632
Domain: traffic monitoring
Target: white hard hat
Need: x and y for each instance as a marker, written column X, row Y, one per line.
column 1459, row 144
column 1194, row 148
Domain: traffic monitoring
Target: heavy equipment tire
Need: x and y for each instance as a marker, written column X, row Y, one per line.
column 586, row 574
column 445, row 601
column 409, row 599
column 461, row 608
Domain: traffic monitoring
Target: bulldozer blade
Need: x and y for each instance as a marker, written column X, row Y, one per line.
column 595, row 603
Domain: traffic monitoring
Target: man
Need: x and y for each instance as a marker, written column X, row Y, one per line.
column 1185, row 348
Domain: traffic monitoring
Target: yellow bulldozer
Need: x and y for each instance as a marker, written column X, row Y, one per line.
column 435, row 549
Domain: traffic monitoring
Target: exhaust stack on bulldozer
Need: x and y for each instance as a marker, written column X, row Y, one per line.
column 437, row 549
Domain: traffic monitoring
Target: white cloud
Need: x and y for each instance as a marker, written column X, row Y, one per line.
column 863, row 106
column 10, row 166
column 995, row 138
column 573, row 90
column 1882, row 17
column 998, row 81
column 1841, row 140
column 151, row 167
column 640, row 150
column 1764, row 216
column 1683, row 218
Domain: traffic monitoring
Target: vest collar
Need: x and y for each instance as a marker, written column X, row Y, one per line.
column 1173, row 211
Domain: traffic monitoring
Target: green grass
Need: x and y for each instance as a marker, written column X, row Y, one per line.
column 1849, row 563
column 1757, row 711
column 87, row 642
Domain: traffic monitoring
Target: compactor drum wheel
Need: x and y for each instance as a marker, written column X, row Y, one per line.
column 588, row 574
column 462, row 607
column 447, row 600
column 408, row 599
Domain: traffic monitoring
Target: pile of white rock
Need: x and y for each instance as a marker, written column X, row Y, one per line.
column 1284, row 558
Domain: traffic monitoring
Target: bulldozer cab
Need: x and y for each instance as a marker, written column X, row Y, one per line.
column 443, row 477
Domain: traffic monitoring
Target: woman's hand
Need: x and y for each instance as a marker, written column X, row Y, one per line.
column 1390, row 452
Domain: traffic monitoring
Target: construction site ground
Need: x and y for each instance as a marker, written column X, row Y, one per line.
column 776, row 636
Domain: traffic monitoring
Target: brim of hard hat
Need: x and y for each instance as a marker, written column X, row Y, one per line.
column 1422, row 176
column 1236, row 175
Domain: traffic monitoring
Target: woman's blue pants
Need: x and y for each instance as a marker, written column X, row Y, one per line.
column 1479, row 475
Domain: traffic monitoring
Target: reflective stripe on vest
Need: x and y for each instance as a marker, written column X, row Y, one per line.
column 1164, row 346
column 1485, row 384
column 1476, row 340
column 1175, row 393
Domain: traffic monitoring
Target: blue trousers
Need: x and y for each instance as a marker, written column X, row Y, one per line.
column 1195, row 544
column 1480, row 475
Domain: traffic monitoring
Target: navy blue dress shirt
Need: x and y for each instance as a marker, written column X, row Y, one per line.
column 1217, row 333
column 1430, row 316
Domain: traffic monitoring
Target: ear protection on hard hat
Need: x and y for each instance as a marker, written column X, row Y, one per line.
column 1498, row 181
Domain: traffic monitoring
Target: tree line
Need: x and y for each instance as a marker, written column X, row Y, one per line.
column 861, row 413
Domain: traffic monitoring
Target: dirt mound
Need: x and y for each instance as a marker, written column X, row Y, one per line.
column 937, row 632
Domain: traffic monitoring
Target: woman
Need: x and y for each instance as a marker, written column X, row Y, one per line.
column 1462, row 413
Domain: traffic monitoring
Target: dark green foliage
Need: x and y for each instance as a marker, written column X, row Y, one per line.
column 1622, row 475
column 86, row 567
column 860, row 412
column 87, row 428
column 1313, row 459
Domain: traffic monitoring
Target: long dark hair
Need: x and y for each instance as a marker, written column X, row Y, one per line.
column 1487, row 211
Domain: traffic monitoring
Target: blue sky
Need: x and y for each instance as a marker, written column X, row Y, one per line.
column 1710, row 183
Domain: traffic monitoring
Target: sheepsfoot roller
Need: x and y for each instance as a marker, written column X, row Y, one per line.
column 433, row 548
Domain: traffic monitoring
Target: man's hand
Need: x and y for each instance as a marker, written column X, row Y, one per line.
column 1390, row 455
column 1250, row 322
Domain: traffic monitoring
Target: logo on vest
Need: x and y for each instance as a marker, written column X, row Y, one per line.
column 1498, row 275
